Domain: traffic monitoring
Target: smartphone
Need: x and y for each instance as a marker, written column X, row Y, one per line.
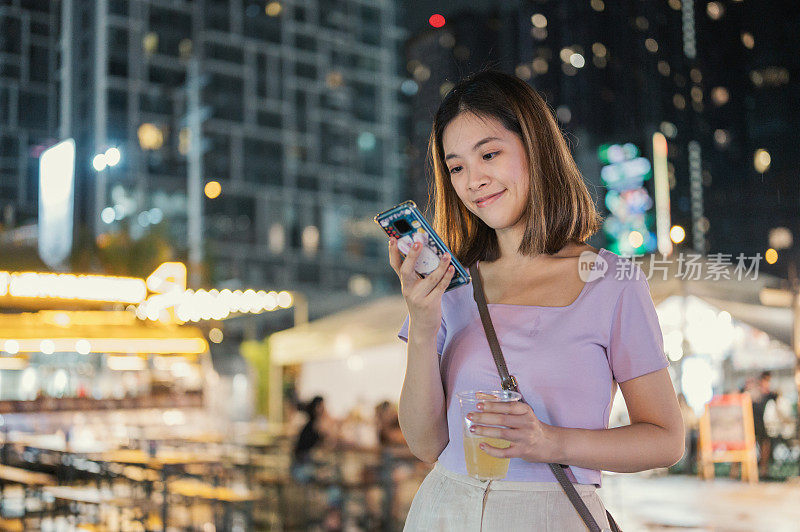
column 406, row 223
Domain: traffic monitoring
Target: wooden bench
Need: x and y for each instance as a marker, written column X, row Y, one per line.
column 16, row 475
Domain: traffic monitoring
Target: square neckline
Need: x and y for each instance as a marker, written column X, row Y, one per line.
column 573, row 303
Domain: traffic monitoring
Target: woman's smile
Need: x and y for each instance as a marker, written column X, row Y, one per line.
column 489, row 200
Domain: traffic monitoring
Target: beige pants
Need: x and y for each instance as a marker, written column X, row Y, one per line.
column 448, row 501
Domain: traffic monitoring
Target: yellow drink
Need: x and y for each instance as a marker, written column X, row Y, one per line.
column 481, row 465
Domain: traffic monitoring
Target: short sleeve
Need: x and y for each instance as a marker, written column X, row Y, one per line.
column 636, row 346
column 440, row 336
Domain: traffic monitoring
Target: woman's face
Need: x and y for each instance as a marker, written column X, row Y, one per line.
column 488, row 169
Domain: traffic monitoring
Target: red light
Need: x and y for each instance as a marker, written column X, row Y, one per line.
column 437, row 21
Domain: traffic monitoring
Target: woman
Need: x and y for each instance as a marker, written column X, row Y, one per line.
column 316, row 432
column 509, row 198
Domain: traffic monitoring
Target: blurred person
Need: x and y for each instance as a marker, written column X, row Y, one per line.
column 388, row 425
column 356, row 430
column 510, row 201
column 761, row 395
column 779, row 418
column 691, row 426
column 393, row 470
column 749, row 386
column 319, row 430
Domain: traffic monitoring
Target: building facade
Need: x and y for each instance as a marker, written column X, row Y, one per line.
column 290, row 108
column 715, row 78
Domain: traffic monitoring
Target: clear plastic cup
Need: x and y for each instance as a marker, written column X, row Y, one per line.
column 481, row 465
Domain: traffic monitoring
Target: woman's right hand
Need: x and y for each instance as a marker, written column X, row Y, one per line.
column 423, row 295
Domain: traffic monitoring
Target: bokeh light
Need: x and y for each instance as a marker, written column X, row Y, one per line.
column 762, row 160
column 273, row 9
column 113, row 156
column 212, row 189
column 539, row 21
column 437, row 21
column 677, row 234
column 771, row 256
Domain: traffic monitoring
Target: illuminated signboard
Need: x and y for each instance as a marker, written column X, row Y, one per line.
column 168, row 301
column 627, row 228
column 661, row 185
column 56, row 202
column 91, row 288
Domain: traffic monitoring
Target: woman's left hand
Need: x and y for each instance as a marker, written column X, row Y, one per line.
column 530, row 439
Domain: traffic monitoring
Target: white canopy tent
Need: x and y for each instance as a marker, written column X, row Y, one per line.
column 354, row 357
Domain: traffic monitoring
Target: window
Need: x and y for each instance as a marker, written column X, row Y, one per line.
column 338, row 146
column 118, row 111
column 307, row 182
column 263, row 162
column 155, row 104
column 8, row 146
column 40, row 64
column 370, row 25
column 39, row 29
column 163, row 76
column 217, row 16
column 171, row 27
column 9, row 70
column 269, row 119
column 118, row 68
column 231, row 217
column 307, row 71
column 32, row 109
column 11, row 36
column 370, row 154
column 342, row 59
column 118, row 7
column 366, row 102
column 300, row 14
column 306, row 42
column 42, row 6
column 263, row 27
column 117, row 42
column 301, row 110
column 224, row 53
column 225, row 95
column 217, row 161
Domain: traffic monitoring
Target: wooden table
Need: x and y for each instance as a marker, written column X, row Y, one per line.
column 162, row 461
column 27, row 479
column 83, row 495
column 159, row 461
column 46, row 442
column 194, row 489
column 16, row 475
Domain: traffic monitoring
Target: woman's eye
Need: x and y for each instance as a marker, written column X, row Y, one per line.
column 490, row 156
column 455, row 169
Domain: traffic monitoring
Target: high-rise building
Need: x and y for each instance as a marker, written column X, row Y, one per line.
column 264, row 136
column 713, row 77
column 29, row 101
column 750, row 63
column 579, row 56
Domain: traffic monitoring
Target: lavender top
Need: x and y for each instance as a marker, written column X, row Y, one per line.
column 567, row 360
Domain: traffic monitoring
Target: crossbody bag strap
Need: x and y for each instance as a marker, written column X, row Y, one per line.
column 510, row 383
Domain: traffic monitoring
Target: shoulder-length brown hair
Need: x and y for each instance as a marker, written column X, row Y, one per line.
column 560, row 209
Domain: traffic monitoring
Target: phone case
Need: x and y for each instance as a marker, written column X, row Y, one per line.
column 406, row 223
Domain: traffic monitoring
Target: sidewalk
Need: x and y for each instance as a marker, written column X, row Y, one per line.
column 646, row 502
